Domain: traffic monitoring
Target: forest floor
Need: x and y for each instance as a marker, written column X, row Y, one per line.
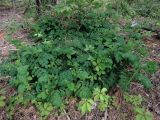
column 10, row 24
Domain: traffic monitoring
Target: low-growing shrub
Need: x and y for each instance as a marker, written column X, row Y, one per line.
column 145, row 8
column 79, row 48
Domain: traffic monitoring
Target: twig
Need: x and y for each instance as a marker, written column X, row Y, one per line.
column 66, row 114
column 105, row 115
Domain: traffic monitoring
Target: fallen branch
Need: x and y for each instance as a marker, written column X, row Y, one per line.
column 66, row 114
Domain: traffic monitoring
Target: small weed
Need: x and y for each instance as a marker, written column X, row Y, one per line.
column 86, row 105
column 135, row 100
column 142, row 114
column 102, row 98
column 2, row 101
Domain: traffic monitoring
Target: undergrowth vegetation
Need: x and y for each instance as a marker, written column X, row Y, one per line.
column 145, row 8
column 80, row 52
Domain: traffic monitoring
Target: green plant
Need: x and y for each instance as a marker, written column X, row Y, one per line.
column 147, row 8
column 142, row 114
column 102, row 98
column 79, row 48
column 86, row 105
column 44, row 109
column 2, row 101
column 135, row 100
column 151, row 66
column 123, row 7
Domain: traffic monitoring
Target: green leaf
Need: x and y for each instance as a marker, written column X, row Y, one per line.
column 104, row 90
column 42, row 95
column 44, row 78
column 89, row 107
column 71, row 86
column 86, row 105
column 139, row 117
column 145, row 81
column 84, row 108
column 65, row 77
column 84, row 92
column 21, row 88
column 143, row 114
column 151, row 67
column 82, row 75
column 50, row 108
column 2, row 101
column 56, row 99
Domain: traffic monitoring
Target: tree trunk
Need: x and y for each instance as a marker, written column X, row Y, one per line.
column 38, row 7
